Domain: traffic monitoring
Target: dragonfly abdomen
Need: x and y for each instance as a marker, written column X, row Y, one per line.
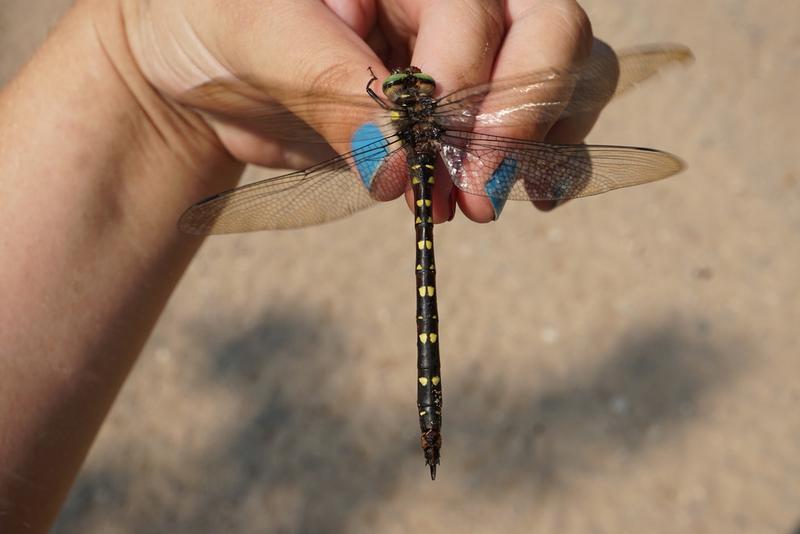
column 429, row 381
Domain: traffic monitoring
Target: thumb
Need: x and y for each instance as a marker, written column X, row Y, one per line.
column 274, row 52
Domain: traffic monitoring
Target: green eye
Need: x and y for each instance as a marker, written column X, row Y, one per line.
column 425, row 78
column 394, row 79
column 425, row 83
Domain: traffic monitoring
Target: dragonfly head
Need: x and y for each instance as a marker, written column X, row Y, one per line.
column 404, row 84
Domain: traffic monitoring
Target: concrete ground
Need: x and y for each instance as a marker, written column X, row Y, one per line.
column 627, row 363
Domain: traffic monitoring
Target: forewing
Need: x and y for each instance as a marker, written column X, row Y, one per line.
column 243, row 102
column 545, row 96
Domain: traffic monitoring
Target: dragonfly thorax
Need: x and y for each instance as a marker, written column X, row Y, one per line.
column 408, row 84
column 410, row 90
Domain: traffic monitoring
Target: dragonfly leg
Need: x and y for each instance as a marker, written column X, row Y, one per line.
column 372, row 93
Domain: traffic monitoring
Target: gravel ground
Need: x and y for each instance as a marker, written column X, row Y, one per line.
column 627, row 363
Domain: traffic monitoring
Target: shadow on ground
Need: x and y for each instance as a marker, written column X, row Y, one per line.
column 308, row 451
column 642, row 394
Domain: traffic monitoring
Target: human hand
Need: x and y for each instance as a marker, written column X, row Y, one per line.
column 278, row 49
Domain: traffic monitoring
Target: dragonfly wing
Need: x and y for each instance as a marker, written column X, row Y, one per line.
column 535, row 98
column 631, row 67
column 503, row 168
column 545, row 96
column 325, row 192
column 242, row 101
column 641, row 63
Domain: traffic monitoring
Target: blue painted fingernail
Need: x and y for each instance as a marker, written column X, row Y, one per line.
column 500, row 184
column 371, row 141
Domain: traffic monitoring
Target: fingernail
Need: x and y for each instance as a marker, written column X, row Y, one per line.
column 499, row 185
column 371, row 158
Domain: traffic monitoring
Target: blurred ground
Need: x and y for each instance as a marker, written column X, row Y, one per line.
column 627, row 363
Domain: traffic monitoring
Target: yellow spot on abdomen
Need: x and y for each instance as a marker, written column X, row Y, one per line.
column 435, row 380
column 433, row 338
column 423, row 381
column 423, row 337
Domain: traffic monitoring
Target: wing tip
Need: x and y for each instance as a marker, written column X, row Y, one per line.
column 675, row 52
column 669, row 52
column 683, row 54
column 672, row 165
column 678, row 163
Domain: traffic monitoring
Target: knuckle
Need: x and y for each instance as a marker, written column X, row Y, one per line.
column 579, row 25
column 573, row 22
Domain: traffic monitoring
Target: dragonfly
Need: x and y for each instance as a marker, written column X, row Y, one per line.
column 398, row 141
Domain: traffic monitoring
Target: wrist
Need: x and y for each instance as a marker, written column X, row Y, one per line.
column 96, row 169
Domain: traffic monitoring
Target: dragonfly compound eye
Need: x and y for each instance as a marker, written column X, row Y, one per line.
column 425, row 83
column 406, row 84
column 394, row 86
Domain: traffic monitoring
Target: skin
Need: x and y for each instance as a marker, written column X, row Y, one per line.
column 99, row 160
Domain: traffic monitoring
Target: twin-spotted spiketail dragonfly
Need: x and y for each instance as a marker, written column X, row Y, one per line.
column 397, row 143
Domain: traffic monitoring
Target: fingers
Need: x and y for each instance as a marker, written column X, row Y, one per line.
column 576, row 125
column 359, row 15
column 541, row 34
column 443, row 200
column 252, row 148
column 317, row 54
column 456, row 43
